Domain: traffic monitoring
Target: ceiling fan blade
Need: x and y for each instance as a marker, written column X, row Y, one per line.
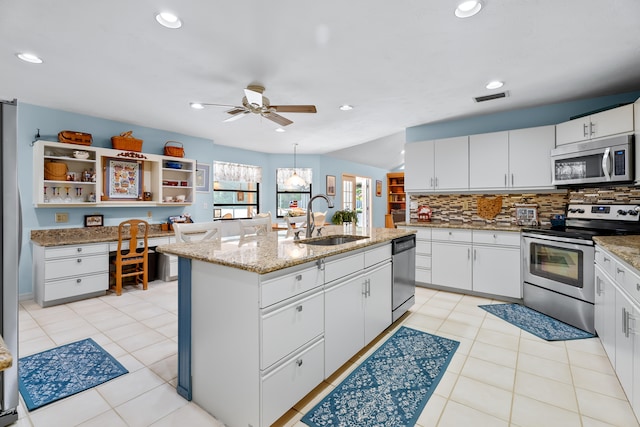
column 253, row 97
column 237, row 110
column 236, row 116
column 295, row 108
column 282, row 121
column 219, row 105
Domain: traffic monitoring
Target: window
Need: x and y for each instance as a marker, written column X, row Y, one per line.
column 292, row 198
column 236, row 190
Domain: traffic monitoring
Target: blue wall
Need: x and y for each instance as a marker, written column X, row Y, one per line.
column 50, row 122
column 516, row 119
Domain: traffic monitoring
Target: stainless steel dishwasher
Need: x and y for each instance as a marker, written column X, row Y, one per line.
column 404, row 275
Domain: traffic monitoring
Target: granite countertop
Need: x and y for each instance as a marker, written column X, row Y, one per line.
column 6, row 360
column 465, row 225
column 265, row 254
column 78, row 236
column 627, row 248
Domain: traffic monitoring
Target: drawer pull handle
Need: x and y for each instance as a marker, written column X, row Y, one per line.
column 79, row 249
column 299, row 308
column 638, row 287
column 299, row 362
column 619, row 271
column 299, row 277
column 79, row 260
column 78, row 280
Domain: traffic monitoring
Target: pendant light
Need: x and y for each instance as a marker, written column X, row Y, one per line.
column 295, row 181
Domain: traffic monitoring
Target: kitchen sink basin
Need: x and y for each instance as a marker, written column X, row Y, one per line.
column 332, row 240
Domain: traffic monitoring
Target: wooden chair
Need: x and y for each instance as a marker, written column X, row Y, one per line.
column 193, row 232
column 131, row 259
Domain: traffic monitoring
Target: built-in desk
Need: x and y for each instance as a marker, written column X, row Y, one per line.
column 73, row 263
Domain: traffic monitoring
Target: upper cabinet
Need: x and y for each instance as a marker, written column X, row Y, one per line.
column 606, row 123
column 75, row 175
column 438, row 165
column 517, row 159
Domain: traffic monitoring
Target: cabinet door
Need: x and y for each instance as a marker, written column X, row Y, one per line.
column 343, row 322
column 572, row 131
column 418, row 166
column 529, row 161
column 451, row 163
column 612, row 122
column 605, row 315
column 489, row 160
column 496, row 270
column 624, row 342
column 451, row 265
column 377, row 307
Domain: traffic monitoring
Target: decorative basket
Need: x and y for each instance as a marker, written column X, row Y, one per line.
column 74, row 137
column 125, row 141
column 55, row 171
column 175, row 150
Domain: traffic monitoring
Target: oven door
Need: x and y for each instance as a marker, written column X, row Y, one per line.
column 560, row 265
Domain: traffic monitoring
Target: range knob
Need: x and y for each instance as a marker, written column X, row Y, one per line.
column 633, row 212
column 573, row 210
column 623, row 213
column 580, row 211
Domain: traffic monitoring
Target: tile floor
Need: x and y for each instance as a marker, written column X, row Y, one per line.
column 500, row 375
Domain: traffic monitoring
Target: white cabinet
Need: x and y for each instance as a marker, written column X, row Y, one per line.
column 178, row 177
column 606, row 123
column 517, row 159
column 489, row 160
column 68, row 273
column 451, row 258
column 605, row 307
column 496, row 263
column 438, row 165
column 377, row 300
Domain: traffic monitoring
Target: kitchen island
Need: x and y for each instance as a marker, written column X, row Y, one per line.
column 263, row 321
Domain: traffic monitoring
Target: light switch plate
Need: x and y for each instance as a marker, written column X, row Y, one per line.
column 62, row 217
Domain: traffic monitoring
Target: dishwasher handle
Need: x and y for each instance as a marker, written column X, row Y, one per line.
column 403, row 244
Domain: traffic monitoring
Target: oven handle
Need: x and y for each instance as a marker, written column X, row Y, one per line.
column 545, row 239
column 606, row 163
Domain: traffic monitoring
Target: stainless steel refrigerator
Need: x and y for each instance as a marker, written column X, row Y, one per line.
column 11, row 236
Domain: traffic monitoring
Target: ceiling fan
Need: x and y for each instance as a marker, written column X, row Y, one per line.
column 255, row 102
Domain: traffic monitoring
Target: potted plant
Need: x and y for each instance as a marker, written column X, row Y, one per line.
column 340, row 217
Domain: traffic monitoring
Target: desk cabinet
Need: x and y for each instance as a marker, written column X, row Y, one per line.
column 67, row 273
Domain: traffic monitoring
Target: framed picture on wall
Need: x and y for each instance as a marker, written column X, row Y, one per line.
column 331, row 185
column 378, row 188
column 202, row 177
column 123, row 179
column 93, row 220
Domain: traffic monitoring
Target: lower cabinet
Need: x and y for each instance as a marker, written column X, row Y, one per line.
column 451, row 265
column 617, row 320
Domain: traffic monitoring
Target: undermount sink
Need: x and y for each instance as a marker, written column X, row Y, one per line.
column 332, row 240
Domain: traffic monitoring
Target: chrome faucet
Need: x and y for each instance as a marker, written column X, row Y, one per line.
column 311, row 222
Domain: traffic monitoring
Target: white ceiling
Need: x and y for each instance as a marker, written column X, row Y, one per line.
column 399, row 64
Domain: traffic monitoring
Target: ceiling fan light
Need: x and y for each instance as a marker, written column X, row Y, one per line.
column 280, row 130
column 197, row 106
column 169, row 20
column 29, row 57
column 468, row 8
column 494, row 84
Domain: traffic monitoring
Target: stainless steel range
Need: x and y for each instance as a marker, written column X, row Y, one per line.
column 558, row 272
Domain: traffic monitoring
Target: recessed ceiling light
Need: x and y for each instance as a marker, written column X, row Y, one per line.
column 402, row 152
column 280, row 130
column 169, row 20
column 196, row 106
column 494, row 84
column 29, row 57
column 346, row 107
column 468, row 8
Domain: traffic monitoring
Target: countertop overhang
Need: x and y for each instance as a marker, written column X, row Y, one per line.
column 272, row 252
column 626, row 247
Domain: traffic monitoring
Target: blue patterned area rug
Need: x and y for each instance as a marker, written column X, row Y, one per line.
column 391, row 387
column 536, row 323
column 63, row 371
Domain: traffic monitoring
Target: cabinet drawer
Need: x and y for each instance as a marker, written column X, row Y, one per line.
column 423, row 275
column 66, row 288
column 423, row 247
column 75, row 250
column 290, row 327
column 496, row 237
column 629, row 280
column 153, row 241
column 423, row 233
column 606, row 262
column 423, row 261
column 375, row 256
column 290, row 285
column 451, row 235
column 342, row 267
column 285, row 386
column 77, row 266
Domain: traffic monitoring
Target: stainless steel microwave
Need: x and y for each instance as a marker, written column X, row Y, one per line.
column 594, row 162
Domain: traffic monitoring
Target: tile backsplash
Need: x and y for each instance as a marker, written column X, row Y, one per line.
column 463, row 208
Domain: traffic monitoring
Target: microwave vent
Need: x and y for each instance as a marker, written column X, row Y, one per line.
column 492, row 96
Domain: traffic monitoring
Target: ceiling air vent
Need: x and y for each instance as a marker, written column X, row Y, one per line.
column 490, row 97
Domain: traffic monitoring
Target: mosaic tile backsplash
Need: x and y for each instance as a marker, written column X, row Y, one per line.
column 463, row 208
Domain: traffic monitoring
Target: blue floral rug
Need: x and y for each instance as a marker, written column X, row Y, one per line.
column 63, row 371
column 391, row 387
column 536, row 323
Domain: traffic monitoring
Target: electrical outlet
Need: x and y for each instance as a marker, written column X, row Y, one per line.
column 62, row 217
column 465, row 205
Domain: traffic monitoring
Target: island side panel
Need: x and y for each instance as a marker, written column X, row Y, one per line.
column 225, row 342
column 184, row 328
